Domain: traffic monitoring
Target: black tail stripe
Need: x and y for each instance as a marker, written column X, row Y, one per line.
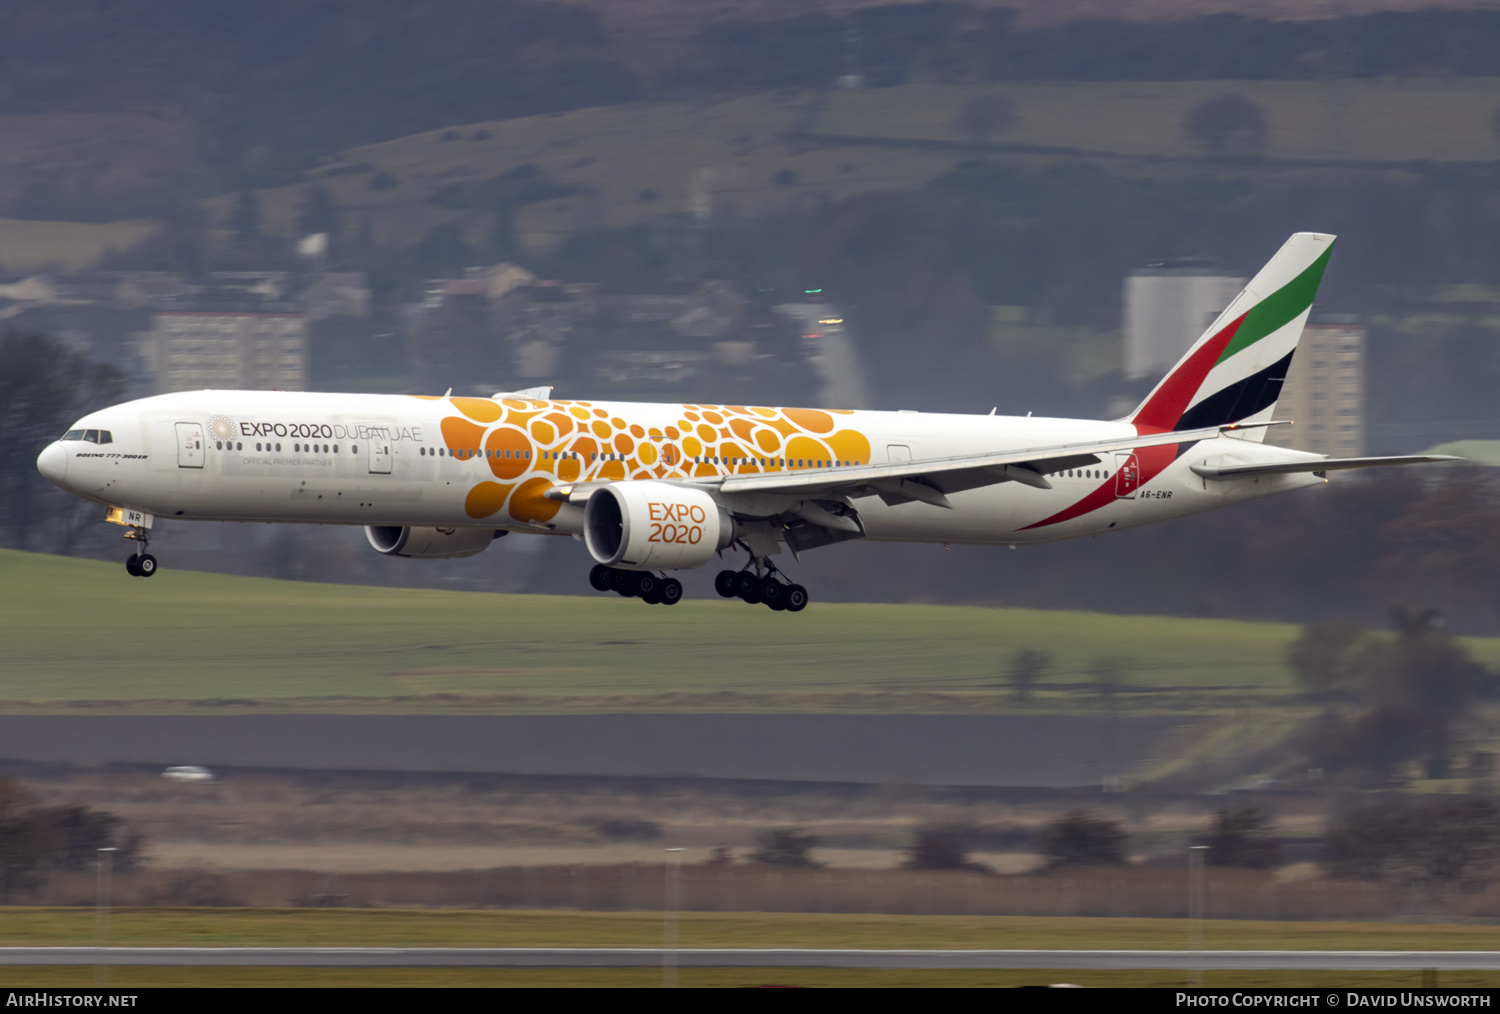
column 1239, row 400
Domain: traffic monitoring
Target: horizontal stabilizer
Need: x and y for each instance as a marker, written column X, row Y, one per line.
column 1314, row 465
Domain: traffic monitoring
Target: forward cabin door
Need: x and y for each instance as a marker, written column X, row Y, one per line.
column 190, row 445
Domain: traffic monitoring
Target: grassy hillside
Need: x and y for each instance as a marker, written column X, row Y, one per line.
column 642, row 160
column 78, row 630
column 29, row 246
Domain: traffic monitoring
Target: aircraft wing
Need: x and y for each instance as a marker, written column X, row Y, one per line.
column 1314, row 465
column 930, row 479
column 927, row 480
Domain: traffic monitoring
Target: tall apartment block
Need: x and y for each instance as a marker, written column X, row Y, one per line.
column 1324, row 393
column 188, row 350
column 1167, row 306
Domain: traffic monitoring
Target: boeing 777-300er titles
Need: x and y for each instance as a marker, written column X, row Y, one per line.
column 650, row 488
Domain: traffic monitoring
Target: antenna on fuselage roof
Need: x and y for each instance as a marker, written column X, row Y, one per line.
column 447, row 392
column 994, row 410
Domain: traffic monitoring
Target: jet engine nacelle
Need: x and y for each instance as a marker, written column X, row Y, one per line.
column 430, row 543
column 646, row 525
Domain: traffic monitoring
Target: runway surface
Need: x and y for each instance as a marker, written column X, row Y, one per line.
column 627, row 957
column 1051, row 751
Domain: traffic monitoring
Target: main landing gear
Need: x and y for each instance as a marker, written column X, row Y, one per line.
column 769, row 586
column 653, row 589
column 142, row 563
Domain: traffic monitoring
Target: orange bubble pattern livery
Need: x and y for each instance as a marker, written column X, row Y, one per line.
column 530, row 446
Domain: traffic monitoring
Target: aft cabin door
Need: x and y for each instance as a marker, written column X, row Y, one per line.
column 1127, row 476
column 380, row 455
column 189, row 445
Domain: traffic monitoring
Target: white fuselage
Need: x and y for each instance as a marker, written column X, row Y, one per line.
column 362, row 459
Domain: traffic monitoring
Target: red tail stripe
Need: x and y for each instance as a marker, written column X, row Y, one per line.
column 1105, row 494
column 1165, row 407
column 1152, row 461
column 1160, row 414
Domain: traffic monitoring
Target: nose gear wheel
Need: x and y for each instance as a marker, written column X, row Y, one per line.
column 141, row 563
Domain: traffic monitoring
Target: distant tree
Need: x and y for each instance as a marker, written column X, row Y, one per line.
column 383, row 180
column 627, row 829
column 941, row 848
column 785, row 177
column 23, row 843
column 44, row 386
column 245, row 219
column 1412, row 692
column 75, row 834
column 1439, row 842
column 1081, row 839
column 1495, row 121
column 980, row 117
column 1323, row 658
column 1425, row 676
column 1241, row 837
column 318, row 213
column 1026, row 667
column 786, row 846
column 34, row 838
column 1229, row 124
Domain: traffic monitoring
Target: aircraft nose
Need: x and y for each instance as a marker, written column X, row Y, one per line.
column 53, row 462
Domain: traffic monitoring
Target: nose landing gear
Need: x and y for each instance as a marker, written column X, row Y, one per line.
column 142, row 563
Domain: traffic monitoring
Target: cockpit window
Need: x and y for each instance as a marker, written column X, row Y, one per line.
column 106, row 437
column 92, row 436
column 73, row 435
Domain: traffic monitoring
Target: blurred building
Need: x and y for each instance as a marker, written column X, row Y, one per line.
column 1324, row 393
column 1167, row 307
column 336, row 294
column 188, row 350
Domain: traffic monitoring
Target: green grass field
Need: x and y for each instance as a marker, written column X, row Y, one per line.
column 642, row 160
column 319, row 927
column 62, row 977
column 322, row 927
column 82, row 631
column 78, row 631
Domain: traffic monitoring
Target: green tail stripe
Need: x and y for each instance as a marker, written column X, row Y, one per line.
column 1279, row 308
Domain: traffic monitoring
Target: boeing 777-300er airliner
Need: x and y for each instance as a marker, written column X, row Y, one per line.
column 650, row 488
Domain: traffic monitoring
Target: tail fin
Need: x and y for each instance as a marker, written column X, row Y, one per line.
column 1233, row 373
